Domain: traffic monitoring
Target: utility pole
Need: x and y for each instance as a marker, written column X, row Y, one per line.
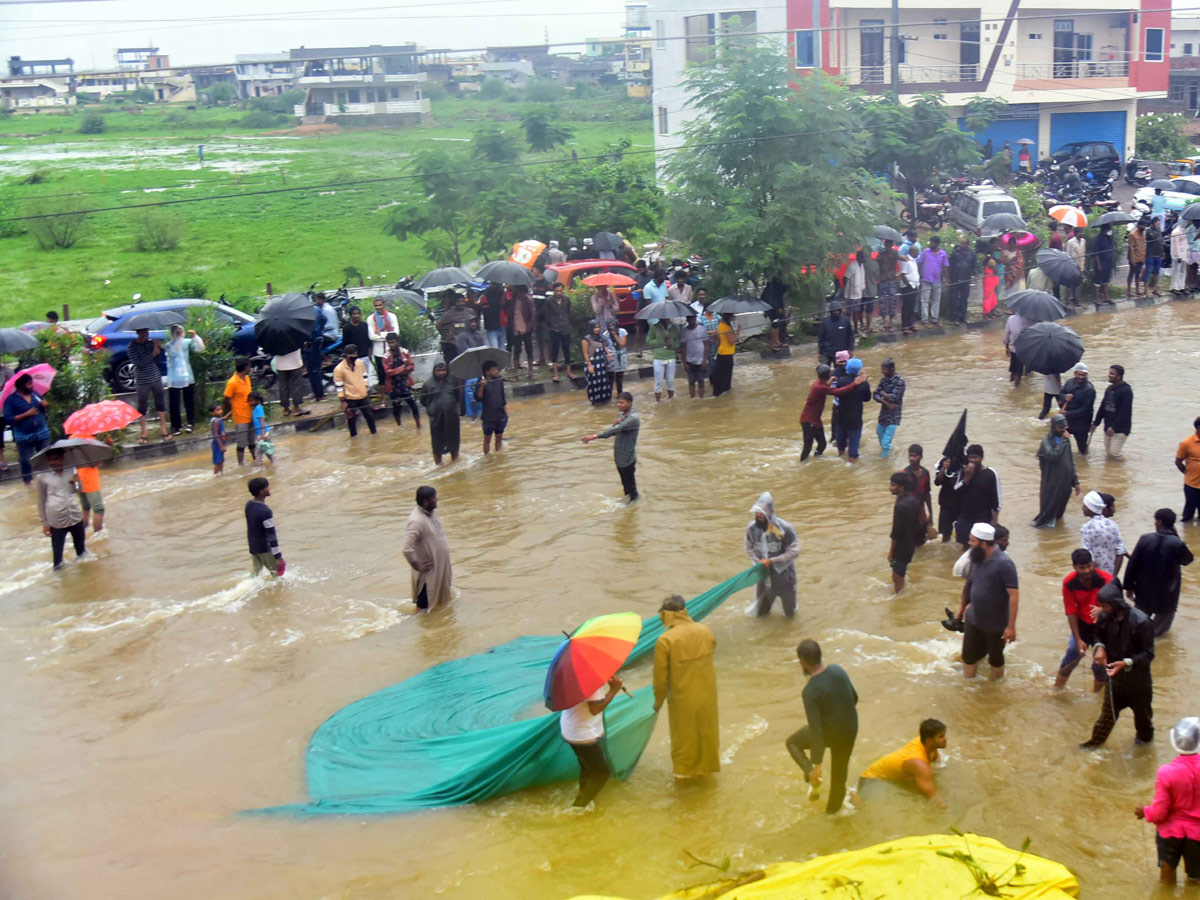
column 895, row 50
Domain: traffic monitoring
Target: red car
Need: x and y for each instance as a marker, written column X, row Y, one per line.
column 569, row 274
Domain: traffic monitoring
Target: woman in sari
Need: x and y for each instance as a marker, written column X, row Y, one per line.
column 596, row 358
column 1014, row 263
column 1058, row 473
column 991, row 285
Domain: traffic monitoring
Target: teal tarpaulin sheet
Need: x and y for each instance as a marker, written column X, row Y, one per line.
column 459, row 733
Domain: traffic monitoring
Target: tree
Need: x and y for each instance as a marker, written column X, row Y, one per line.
column 93, row 123
column 542, row 134
column 221, row 92
column 437, row 211
column 769, row 178
column 1162, row 137
column 492, row 89
column 59, row 225
column 921, row 139
column 494, row 145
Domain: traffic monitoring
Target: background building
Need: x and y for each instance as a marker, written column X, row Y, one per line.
column 377, row 81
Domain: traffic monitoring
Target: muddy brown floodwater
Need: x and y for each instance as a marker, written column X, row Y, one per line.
column 152, row 695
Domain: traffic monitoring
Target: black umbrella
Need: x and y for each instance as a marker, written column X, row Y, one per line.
column 1163, row 184
column 665, row 309
column 956, row 446
column 1001, row 222
column 606, row 240
column 1059, row 268
column 1191, row 212
column 888, row 233
column 445, row 277
column 155, row 321
column 1049, row 348
column 1115, row 218
column 285, row 323
column 1036, row 306
column 410, row 297
column 738, row 305
column 14, row 340
column 76, row 452
column 502, row 271
column 469, row 363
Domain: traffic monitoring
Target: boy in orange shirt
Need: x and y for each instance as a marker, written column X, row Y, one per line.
column 90, row 498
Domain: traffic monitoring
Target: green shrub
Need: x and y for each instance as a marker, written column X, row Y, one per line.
column 80, row 374
column 434, row 90
column 544, row 90
column 221, row 92
column 215, row 362
column 93, row 123
column 155, row 231
column 277, row 103
column 413, row 327
column 261, row 118
column 493, row 89
column 60, row 225
column 188, row 287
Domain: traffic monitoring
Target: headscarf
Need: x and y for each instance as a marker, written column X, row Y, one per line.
column 1185, row 736
column 766, row 506
column 1053, row 444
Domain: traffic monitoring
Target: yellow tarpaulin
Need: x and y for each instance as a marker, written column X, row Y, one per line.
column 912, row 868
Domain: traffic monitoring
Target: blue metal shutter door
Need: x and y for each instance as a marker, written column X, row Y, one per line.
column 1088, row 126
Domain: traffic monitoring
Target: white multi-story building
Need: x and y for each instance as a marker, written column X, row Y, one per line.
column 361, row 81
column 260, row 74
column 1070, row 70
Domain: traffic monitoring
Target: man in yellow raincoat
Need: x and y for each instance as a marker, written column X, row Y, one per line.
column 684, row 677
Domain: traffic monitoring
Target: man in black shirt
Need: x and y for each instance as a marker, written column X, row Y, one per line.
column 355, row 332
column 829, row 704
column 907, row 530
column 1152, row 577
column 260, row 530
column 489, row 390
column 850, row 412
column 1125, row 647
column 836, row 333
column 979, row 495
column 1116, row 412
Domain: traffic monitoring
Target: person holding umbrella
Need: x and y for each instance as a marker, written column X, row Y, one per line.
column 1076, row 248
column 727, row 340
column 1154, row 257
column 144, row 353
column 685, row 679
column 58, row 509
column 25, row 412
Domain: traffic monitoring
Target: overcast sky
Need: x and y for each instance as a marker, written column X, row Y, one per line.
column 214, row 30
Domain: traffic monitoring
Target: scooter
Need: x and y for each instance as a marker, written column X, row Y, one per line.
column 1137, row 172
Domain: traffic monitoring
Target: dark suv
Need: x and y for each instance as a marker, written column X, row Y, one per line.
column 106, row 333
column 1098, row 157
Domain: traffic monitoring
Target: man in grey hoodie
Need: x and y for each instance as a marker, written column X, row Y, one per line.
column 771, row 543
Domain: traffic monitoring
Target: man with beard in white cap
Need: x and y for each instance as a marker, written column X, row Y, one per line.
column 1175, row 809
column 771, row 543
column 1101, row 536
column 989, row 604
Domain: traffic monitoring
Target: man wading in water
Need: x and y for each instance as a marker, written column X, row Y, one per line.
column 771, row 543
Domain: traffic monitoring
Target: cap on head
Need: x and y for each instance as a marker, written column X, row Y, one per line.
column 888, row 363
column 853, row 367
column 1081, row 367
column 1093, row 501
column 835, row 305
column 983, row 531
column 841, row 356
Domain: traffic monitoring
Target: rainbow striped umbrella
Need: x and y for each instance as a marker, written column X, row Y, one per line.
column 1070, row 216
column 589, row 657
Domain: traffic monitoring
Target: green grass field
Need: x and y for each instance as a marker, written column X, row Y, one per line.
column 236, row 245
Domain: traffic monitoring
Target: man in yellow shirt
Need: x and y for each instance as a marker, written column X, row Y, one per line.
column 237, row 395
column 350, row 382
column 1187, row 461
column 912, row 763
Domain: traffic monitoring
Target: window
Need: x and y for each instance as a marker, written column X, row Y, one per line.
column 1064, row 25
column 396, row 93
column 660, row 34
column 1154, row 45
column 939, row 37
column 663, row 123
column 354, row 95
column 739, row 22
column 1035, row 37
column 1176, row 96
column 1083, row 47
column 698, row 32
column 805, row 58
column 1187, row 49
column 1000, row 206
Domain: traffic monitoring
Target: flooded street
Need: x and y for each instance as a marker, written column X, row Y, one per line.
column 154, row 694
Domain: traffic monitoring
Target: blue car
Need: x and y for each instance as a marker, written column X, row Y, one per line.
column 107, row 333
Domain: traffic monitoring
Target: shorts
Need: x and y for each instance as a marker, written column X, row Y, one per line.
column 560, row 342
column 243, row 434
column 868, row 305
column 696, row 373
column 977, row 644
column 260, row 561
column 266, row 447
column 1015, row 366
column 1153, row 266
column 899, row 564
column 495, row 424
column 143, row 397
column 92, row 501
column 218, row 454
column 1171, row 850
column 1101, row 276
column 1135, row 269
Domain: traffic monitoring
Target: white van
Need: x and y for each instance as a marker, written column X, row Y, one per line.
column 976, row 203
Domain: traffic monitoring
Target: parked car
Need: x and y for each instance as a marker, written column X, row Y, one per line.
column 1184, row 190
column 1098, row 157
column 107, row 333
column 569, row 274
column 976, row 203
column 1185, row 165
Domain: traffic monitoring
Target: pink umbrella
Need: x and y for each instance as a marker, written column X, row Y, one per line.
column 43, row 376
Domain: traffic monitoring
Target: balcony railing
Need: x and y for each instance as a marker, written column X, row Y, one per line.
column 359, row 78
column 945, row 74
column 1105, row 68
column 391, row 107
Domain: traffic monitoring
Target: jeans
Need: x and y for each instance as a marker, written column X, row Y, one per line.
column 849, row 438
column 629, row 480
column 593, row 771
column 664, row 370
column 496, row 338
column 1191, row 502
column 1071, row 659
column 812, row 433
column 25, row 451
column 188, row 395
column 931, row 300
column 397, row 399
column 353, row 408
column 840, row 748
column 58, row 540
column 885, row 433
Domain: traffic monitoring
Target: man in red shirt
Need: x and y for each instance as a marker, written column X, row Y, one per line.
column 814, row 407
column 1079, row 589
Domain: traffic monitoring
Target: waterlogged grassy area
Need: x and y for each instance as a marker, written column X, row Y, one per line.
column 255, row 232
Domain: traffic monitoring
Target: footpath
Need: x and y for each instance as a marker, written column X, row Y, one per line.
column 327, row 414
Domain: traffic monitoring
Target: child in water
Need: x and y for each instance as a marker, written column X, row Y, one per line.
column 262, row 431
column 217, row 428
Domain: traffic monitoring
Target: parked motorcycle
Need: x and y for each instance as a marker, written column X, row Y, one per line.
column 932, row 214
column 1137, row 172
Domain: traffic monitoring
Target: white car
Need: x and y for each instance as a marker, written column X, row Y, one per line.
column 1184, row 191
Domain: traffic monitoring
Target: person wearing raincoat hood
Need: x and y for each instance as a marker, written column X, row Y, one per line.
column 771, row 543
column 1058, row 473
column 1176, row 806
column 684, row 679
column 1125, row 647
